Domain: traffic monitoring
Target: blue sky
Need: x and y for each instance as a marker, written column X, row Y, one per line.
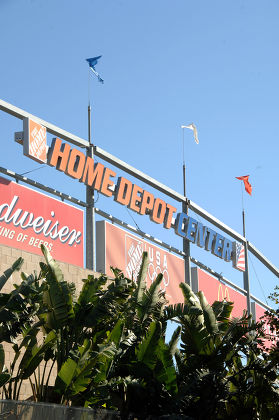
column 165, row 63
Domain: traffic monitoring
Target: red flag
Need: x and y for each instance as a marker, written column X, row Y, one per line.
column 247, row 185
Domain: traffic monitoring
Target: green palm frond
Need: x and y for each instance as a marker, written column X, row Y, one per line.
column 145, row 350
column 172, row 345
column 152, row 301
column 192, row 300
column 141, row 279
column 91, row 289
column 208, row 313
column 57, row 296
column 7, row 273
column 165, row 370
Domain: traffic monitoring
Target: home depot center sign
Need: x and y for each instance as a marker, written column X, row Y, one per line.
column 76, row 164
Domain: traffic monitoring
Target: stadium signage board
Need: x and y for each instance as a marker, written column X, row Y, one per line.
column 77, row 165
column 34, row 140
column 127, row 256
column 29, row 219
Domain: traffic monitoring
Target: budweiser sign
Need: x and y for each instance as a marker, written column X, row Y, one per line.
column 29, row 219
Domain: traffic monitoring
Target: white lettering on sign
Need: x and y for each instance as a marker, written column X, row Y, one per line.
column 49, row 228
column 158, row 265
column 37, row 146
column 135, row 257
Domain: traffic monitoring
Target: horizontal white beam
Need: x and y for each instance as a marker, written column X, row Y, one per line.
column 207, row 216
column 263, row 259
column 52, row 129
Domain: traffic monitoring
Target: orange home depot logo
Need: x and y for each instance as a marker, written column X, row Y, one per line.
column 157, row 261
column 35, row 140
column 133, row 256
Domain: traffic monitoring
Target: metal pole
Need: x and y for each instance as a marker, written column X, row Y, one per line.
column 90, row 209
column 246, row 283
column 186, row 244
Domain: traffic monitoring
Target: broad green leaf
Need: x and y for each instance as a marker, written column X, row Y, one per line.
column 2, row 358
column 172, row 345
column 52, row 264
column 58, row 296
column 7, row 273
column 222, row 312
column 4, row 378
column 90, row 289
column 36, row 355
column 116, row 333
column 141, row 282
column 59, row 301
column 65, row 375
column 152, row 301
column 166, row 373
column 209, row 316
column 105, row 361
column 146, row 350
column 191, row 299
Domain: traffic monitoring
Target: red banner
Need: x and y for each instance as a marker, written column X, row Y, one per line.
column 29, row 219
column 124, row 251
column 121, row 249
column 216, row 290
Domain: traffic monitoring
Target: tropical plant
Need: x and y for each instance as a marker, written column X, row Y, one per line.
column 108, row 348
column 139, row 374
column 106, row 345
column 18, row 316
column 222, row 372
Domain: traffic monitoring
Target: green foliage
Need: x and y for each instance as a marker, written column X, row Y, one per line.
column 222, row 370
column 7, row 274
column 57, row 294
column 4, row 374
column 108, row 345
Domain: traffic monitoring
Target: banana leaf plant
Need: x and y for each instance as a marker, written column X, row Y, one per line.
column 107, row 347
column 18, row 313
column 141, row 376
column 215, row 366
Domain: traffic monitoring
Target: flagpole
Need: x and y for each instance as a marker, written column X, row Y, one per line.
column 186, row 244
column 246, row 282
column 90, row 209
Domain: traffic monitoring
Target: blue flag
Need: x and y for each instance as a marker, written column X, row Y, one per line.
column 92, row 63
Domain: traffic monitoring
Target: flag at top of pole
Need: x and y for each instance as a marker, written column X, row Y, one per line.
column 92, row 63
column 194, row 128
column 247, row 185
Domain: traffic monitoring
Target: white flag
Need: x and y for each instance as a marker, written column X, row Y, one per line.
column 194, row 128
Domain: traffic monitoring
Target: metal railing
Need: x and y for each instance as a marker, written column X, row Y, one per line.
column 28, row 410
